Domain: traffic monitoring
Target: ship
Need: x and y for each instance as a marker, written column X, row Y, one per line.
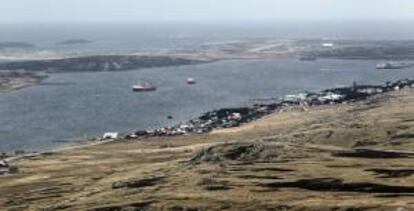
column 144, row 87
column 391, row 65
column 191, row 81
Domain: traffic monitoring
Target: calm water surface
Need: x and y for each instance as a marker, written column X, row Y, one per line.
column 73, row 105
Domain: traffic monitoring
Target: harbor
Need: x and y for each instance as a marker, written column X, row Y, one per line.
column 234, row 117
column 186, row 105
column 110, row 105
column 273, row 158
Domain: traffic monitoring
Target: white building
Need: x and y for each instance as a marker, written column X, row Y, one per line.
column 110, row 135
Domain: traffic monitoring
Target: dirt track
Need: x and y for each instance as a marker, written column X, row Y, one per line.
column 324, row 158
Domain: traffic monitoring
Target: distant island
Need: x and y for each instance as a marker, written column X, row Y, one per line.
column 303, row 50
column 74, row 42
column 16, row 45
column 98, row 63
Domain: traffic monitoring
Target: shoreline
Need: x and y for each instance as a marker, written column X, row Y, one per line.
column 236, row 116
column 361, row 149
column 12, row 81
column 211, row 52
column 208, row 52
column 246, row 50
column 302, row 101
column 99, row 63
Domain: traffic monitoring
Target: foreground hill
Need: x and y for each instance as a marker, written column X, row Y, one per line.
column 341, row 157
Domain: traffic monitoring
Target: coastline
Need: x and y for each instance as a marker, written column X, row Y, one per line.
column 347, row 148
column 210, row 52
column 304, row 145
column 266, row 107
column 225, row 121
column 11, row 81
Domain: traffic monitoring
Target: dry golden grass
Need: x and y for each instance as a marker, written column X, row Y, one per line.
column 273, row 163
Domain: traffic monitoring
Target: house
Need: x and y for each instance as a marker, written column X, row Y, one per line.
column 3, row 164
column 110, row 135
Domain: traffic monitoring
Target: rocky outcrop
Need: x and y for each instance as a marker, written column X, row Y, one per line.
column 10, row 81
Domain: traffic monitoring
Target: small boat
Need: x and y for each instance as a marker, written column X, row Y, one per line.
column 191, row 81
column 144, row 87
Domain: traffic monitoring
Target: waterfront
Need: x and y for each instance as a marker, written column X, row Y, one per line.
column 72, row 106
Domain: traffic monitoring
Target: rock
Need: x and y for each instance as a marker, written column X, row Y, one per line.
column 373, row 154
column 137, row 183
column 392, row 173
column 237, row 152
column 13, row 170
column 213, row 185
column 338, row 185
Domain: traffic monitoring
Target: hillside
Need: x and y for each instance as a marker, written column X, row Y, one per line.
column 339, row 157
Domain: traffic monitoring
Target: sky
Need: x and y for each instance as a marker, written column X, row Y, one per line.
column 202, row 10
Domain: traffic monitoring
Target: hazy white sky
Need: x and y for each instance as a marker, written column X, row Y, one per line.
column 202, row 10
